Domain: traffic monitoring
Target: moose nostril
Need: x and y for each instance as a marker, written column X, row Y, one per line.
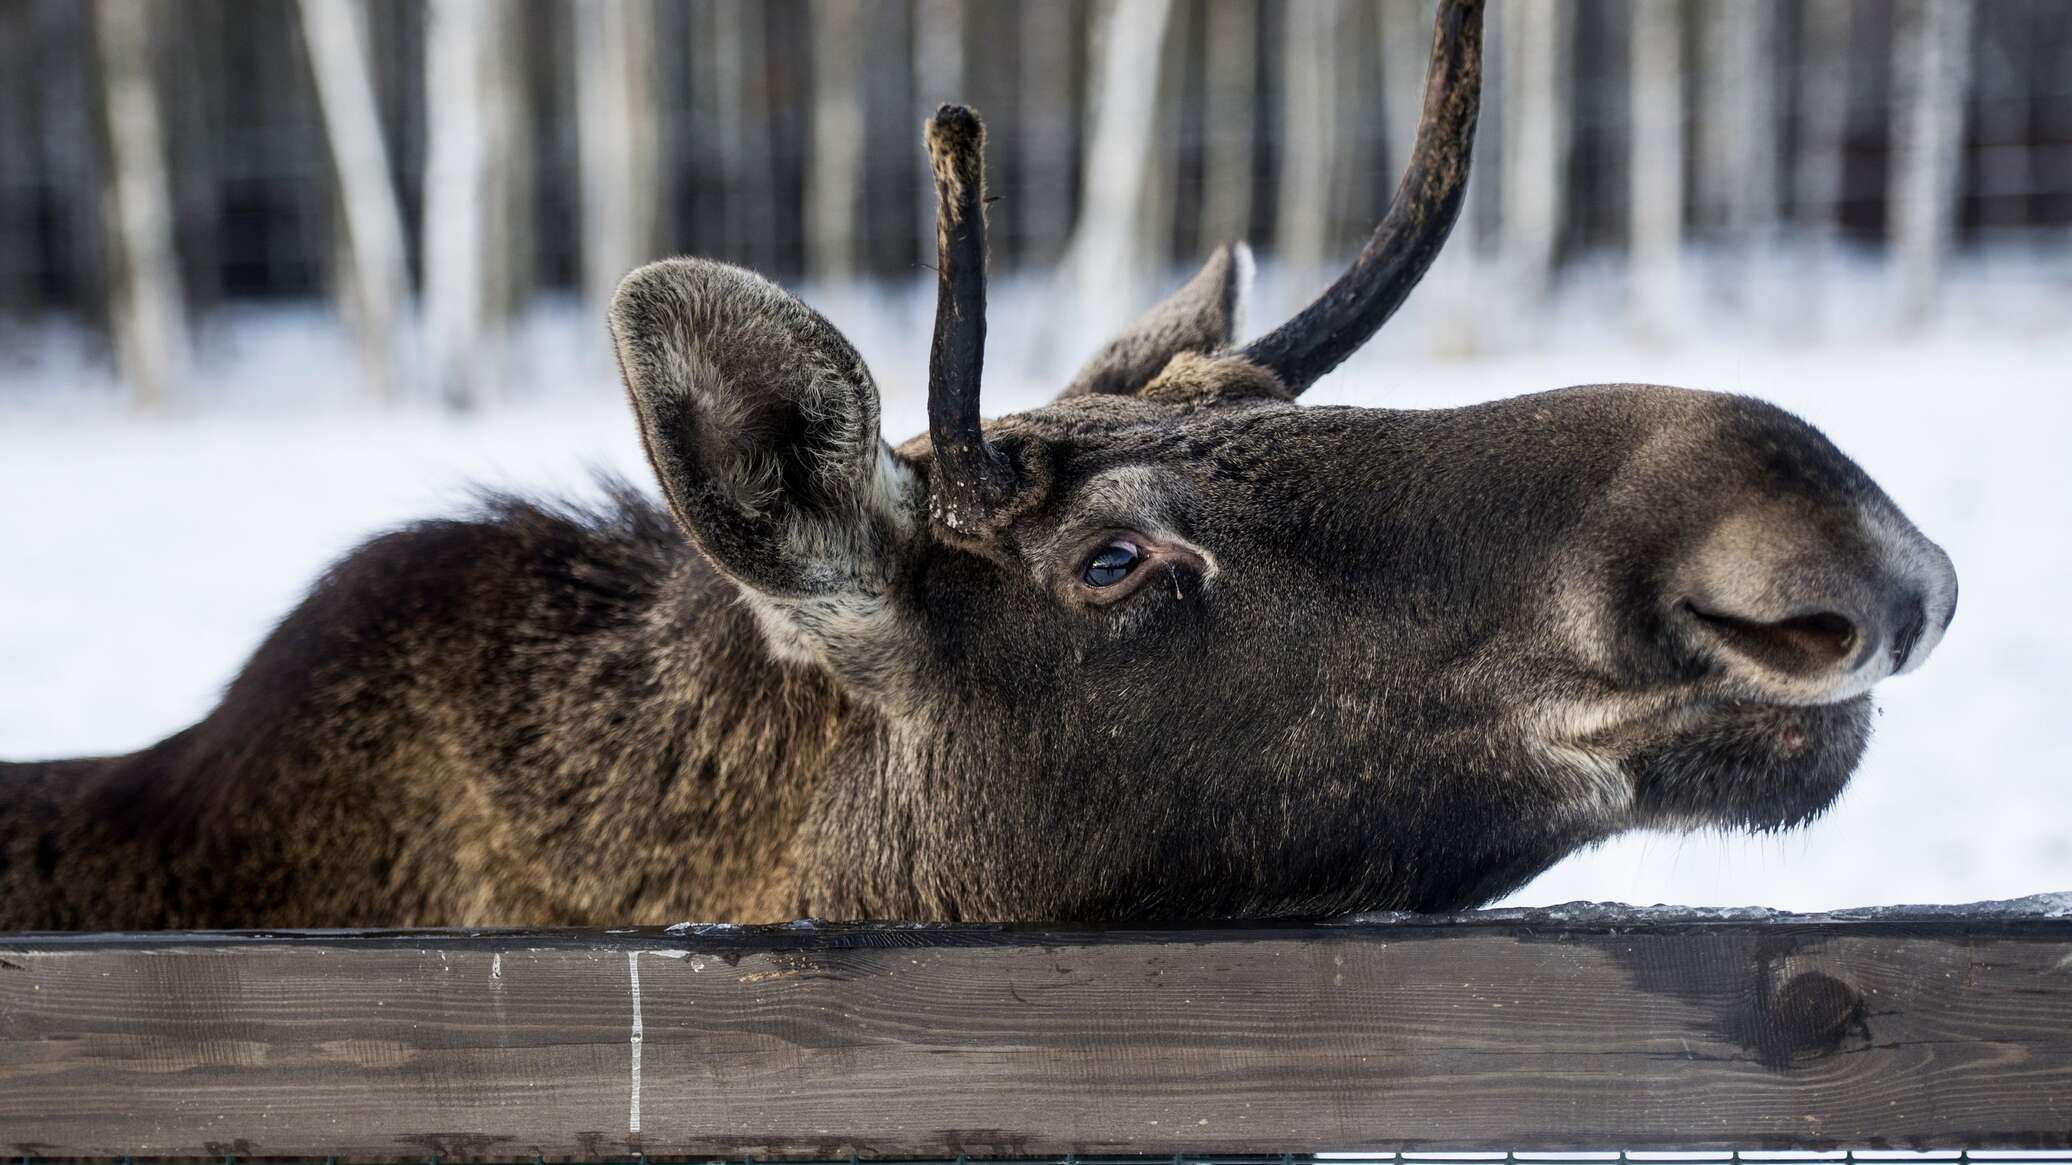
column 1910, row 632
column 1800, row 645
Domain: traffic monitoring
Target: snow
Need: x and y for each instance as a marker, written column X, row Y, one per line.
column 145, row 556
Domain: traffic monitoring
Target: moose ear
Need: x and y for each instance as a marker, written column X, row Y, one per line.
column 761, row 421
column 1203, row 317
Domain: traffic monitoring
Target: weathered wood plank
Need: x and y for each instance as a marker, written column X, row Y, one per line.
column 1506, row 1030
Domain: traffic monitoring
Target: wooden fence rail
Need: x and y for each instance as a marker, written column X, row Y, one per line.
column 1571, row 1029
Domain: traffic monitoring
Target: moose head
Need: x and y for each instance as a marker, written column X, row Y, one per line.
column 1177, row 644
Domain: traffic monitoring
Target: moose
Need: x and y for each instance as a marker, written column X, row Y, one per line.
column 1171, row 646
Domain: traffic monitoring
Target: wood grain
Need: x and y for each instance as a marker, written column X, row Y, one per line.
column 1516, row 1031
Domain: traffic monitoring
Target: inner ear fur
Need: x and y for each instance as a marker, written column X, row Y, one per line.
column 1203, row 317
column 761, row 422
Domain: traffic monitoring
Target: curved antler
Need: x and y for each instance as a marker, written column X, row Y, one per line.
column 1426, row 203
column 972, row 477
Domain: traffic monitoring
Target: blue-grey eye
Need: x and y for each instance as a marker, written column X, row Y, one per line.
column 1111, row 564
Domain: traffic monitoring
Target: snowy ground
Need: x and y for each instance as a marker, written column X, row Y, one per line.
column 141, row 558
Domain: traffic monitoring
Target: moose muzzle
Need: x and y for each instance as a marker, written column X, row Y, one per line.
column 1801, row 608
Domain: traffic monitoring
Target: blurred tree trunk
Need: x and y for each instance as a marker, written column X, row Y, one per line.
column 71, row 144
column 192, row 77
column 738, row 51
column 20, row 173
column 1105, row 267
column 1823, row 118
column 373, row 216
column 462, row 149
column 1537, row 61
column 1230, row 82
column 2006, row 90
column 1406, row 44
column 512, row 269
column 1158, row 208
column 147, row 309
column 1931, row 75
column 835, row 169
column 1047, row 129
column 1309, row 136
column 616, row 141
column 938, row 78
column 1737, row 123
column 1655, row 203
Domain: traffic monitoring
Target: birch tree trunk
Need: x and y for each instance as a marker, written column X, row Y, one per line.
column 1655, row 203
column 1737, row 123
column 1931, row 75
column 738, row 49
column 938, row 77
column 835, row 169
column 1104, row 272
column 1309, row 137
column 1536, row 37
column 148, row 310
column 511, row 270
column 1231, row 85
column 460, row 159
column 616, row 141
column 1406, row 43
column 380, row 272
column 1823, row 119
column 1046, row 138
column 1157, row 220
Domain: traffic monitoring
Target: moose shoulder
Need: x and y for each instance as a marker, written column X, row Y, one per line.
column 1171, row 646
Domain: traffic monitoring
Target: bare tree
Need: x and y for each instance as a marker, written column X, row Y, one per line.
column 1405, row 28
column 1655, row 203
column 379, row 271
column 148, row 309
column 835, row 169
column 1230, row 70
column 1157, row 221
column 1536, row 37
column 1104, row 264
column 1823, row 117
column 1047, row 128
column 938, row 77
column 1737, row 133
column 739, row 56
column 511, row 271
column 462, row 145
column 616, row 141
column 2006, row 102
column 1309, row 136
column 18, row 160
column 1931, row 74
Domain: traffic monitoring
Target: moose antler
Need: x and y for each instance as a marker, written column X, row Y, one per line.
column 1426, row 203
column 973, row 478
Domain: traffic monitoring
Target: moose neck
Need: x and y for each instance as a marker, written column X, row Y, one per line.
column 683, row 779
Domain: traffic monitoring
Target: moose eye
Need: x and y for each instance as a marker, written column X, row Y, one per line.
column 1111, row 564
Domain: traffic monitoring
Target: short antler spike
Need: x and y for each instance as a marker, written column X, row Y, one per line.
column 972, row 478
column 1422, row 212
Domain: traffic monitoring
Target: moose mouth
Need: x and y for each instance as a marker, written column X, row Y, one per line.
column 1749, row 765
